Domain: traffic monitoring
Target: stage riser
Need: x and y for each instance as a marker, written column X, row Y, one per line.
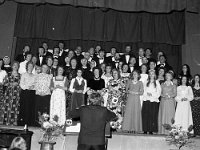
column 118, row 142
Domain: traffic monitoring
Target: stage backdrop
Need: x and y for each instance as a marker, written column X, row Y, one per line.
column 90, row 26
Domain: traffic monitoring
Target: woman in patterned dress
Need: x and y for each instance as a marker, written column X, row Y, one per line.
column 58, row 97
column 11, row 98
column 195, row 104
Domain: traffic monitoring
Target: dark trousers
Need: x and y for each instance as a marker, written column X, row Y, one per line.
column 90, row 147
column 150, row 116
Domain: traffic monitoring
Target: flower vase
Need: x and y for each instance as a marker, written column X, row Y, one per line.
column 47, row 145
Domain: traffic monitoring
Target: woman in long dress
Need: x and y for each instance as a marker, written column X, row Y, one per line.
column 78, row 88
column 152, row 91
column 195, row 104
column 58, row 98
column 11, row 98
column 133, row 117
column 167, row 104
column 183, row 115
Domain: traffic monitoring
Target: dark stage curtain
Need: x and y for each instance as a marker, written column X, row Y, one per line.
column 67, row 23
column 128, row 5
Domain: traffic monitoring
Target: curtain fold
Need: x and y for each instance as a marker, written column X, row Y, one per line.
column 128, row 5
column 70, row 23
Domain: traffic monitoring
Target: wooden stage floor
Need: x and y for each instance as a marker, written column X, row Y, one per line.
column 119, row 141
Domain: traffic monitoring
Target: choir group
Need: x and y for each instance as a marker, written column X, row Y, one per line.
column 143, row 91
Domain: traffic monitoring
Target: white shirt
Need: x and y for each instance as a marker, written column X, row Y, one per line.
column 140, row 61
column 71, row 87
column 106, row 79
column 184, row 92
column 101, row 60
column 143, row 78
column 41, row 59
column 2, row 75
column 127, row 58
column 22, row 67
column 154, row 91
column 131, row 68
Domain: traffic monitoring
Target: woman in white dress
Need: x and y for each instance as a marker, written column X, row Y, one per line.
column 58, row 98
column 183, row 114
column 108, row 75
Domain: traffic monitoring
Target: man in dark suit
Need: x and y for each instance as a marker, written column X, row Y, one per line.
column 111, row 58
column 93, row 120
column 41, row 58
column 140, row 56
column 163, row 63
column 127, row 55
column 101, row 58
column 46, row 50
column 22, row 57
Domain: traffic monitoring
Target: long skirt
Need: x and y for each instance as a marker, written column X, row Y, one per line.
column 195, row 104
column 150, row 116
column 58, row 106
column 133, row 117
column 78, row 100
column 27, row 108
column 42, row 105
column 166, row 114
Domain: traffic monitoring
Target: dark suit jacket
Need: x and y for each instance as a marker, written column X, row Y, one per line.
column 43, row 61
column 105, row 60
column 20, row 58
column 93, row 120
column 166, row 66
column 123, row 57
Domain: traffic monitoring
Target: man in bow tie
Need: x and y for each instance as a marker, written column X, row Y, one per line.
column 41, row 58
column 101, row 58
column 163, row 63
column 22, row 57
column 127, row 55
column 141, row 55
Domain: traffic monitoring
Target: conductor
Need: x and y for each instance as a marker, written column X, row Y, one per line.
column 93, row 119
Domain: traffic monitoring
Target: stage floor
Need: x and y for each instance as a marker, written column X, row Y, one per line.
column 119, row 141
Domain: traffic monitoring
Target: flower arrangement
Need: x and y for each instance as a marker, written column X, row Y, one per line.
column 51, row 129
column 177, row 136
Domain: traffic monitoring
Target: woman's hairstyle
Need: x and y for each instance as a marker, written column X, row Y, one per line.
column 149, row 80
column 97, row 68
column 28, row 63
column 188, row 74
column 131, row 75
column 73, row 58
column 187, row 81
column 93, row 62
column 108, row 65
column 28, row 53
column 193, row 81
column 15, row 62
column 171, row 73
column 18, row 143
column 118, row 72
column 162, row 68
column 142, row 66
column 48, row 57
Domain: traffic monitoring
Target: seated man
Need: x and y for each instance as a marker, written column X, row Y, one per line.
column 93, row 120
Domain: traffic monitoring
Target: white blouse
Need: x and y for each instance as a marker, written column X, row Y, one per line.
column 71, row 87
column 154, row 91
column 106, row 79
column 143, row 78
column 27, row 81
column 184, row 92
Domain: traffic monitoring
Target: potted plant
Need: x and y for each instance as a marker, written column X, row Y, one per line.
column 177, row 136
column 50, row 131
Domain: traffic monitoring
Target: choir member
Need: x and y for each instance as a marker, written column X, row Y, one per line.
column 145, row 60
column 125, row 73
column 62, row 52
column 185, row 72
column 71, row 54
column 144, row 75
column 127, row 55
column 132, row 64
column 161, row 75
column 133, row 118
column 67, row 65
column 111, row 58
column 78, row 88
column 141, row 55
column 97, row 49
column 103, row 67
column 79, row 55
column 10, row 106
column 163, row 63
column 46, row 50
column 108, row 75
column 22, row 65
column 58, row 98
column 54, row 68
column 27, row 97
column 92, row 54
column 6, row 62
column 42, row 91
column 34, row 61
column 195, row 104
column 41, row 59
column 158, row 57
column 72, row 71
column 49, row 62
column 183, row 114
column 101, row 58
column 92, row 65
column 22, row 57
column 86, row 70
column 97, row 83
column 167, row 104
column 152, row 92
column 152, row 66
